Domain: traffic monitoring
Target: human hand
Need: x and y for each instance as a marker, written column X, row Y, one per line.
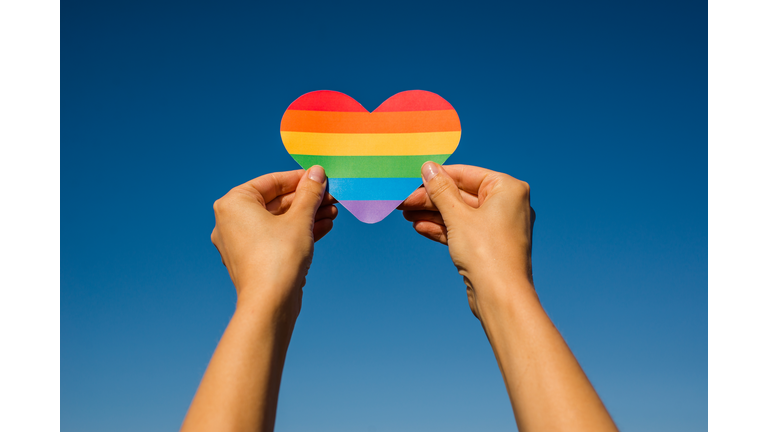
column 486, row 220
column 265, row 232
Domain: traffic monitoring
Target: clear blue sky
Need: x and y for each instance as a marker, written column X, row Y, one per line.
column 601, row 107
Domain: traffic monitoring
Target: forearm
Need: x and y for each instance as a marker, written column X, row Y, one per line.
column 240, row 387
column 547, row 387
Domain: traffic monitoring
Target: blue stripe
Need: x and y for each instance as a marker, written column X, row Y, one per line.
column 353, row 189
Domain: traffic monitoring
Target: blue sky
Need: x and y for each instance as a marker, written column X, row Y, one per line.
column 601, row 107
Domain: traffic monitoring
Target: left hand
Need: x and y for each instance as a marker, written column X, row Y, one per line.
column 265, row 232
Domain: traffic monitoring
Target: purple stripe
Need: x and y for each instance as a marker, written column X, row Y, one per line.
column 371, row 211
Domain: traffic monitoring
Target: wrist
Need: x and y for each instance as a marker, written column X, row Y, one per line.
column 499, row 295
column 280, row 306
column 497, row 268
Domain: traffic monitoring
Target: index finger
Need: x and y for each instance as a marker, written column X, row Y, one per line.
column 271, row 186
column 419, row 200
column 470, row 178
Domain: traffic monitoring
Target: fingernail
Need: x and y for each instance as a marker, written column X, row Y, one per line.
column 317, row 173
column 429, row 170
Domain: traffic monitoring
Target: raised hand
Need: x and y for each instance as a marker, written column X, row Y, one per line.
column 266, row 228
column 265, row 232
column 483, row 216
column 486, row 220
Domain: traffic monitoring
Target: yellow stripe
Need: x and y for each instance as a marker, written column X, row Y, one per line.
column 379, row 144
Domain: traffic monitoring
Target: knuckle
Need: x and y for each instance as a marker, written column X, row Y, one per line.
column 438, row 186
column 522, row 189
column 217, row 205
column 221, row 205
column 498, row 180
column 313, row 191
column 228, row 202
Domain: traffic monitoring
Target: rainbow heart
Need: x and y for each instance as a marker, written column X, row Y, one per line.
column 373, row 160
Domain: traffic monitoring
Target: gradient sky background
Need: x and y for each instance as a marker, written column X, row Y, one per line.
column 600, row 106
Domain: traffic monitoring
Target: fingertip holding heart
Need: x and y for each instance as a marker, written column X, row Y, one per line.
column 372, row 159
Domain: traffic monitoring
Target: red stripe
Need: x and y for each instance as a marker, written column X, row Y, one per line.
column 326, row 100
column 414, row 100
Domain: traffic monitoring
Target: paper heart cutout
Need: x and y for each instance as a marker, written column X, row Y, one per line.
column 372, row 160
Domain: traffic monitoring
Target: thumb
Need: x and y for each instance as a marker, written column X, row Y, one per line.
column 441, row 188
column 309, row 193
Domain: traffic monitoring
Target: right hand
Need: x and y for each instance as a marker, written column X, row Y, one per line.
column 486, row 220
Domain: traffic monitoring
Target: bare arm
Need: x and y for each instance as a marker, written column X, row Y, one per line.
column 240, row 387
column 265, row 232
column 486, row 220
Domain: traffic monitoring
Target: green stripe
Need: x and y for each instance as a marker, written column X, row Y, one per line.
column 369, row 166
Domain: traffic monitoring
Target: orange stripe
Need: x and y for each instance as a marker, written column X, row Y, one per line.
column 375, row 122
column 376, row 144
